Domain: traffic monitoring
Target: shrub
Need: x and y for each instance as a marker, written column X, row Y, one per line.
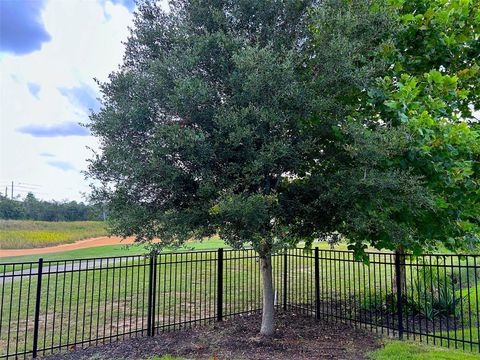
column 434, row 291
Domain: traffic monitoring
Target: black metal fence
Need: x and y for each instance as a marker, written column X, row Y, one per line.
column 430, row 298
column 49, row 306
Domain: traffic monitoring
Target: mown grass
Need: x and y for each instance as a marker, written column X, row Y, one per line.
column 105, row 251
column 467, row 333
column 404, row 350
column 26, row 234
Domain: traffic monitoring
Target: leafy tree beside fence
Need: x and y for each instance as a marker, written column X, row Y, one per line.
column 419, row 105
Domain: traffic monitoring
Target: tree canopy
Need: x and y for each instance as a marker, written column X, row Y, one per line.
column 405, row 165
column 433, row 88
column 202, row 122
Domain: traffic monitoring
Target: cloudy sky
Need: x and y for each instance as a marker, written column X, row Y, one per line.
column 50, row 51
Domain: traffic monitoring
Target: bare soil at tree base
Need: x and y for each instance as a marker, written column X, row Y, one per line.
column 297, row 337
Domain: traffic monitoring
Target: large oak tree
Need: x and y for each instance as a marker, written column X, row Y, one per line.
column 200, row 126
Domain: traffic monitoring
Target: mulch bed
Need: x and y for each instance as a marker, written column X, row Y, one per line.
column 297, row 337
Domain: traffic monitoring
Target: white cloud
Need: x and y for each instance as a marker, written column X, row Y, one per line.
column 86, row 42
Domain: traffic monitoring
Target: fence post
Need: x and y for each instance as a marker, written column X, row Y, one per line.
column 37, row 307
column 150, row 293
column 220, row 284
column 317, row 285
column 154, row 294
column 285, row 276
column 399, row 294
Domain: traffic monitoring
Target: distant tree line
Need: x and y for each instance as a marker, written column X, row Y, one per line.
column 34, row 209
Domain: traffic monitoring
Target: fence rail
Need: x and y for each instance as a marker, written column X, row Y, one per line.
column 50, row 306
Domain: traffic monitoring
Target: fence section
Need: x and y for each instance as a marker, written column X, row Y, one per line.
column 430, row 298
column 53, row 305
column 48, row 306
column 185, row 288
column 67, row 304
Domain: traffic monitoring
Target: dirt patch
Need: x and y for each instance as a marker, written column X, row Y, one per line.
column 297, row 337
column 81, row 244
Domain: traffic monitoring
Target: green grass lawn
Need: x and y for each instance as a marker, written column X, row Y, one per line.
column 469, row 333
column 126, row 250
column 26, row 234
column 404, row 350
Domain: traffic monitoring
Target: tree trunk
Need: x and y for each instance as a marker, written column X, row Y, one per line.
column 268, row 314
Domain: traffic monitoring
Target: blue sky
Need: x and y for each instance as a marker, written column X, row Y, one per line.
column 67, row 128
column 21, row 29
column 50, row 51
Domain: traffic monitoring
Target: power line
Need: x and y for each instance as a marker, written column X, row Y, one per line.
column 27, row 187
column 7, row 182
column 30, row 185
column 30, row 191
column 27, row 184
column 23, row 188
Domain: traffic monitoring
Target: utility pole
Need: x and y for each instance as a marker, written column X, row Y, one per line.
column 12, row 190
column 6, row 191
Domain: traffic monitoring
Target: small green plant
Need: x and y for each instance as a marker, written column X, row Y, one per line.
column 434, row 291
